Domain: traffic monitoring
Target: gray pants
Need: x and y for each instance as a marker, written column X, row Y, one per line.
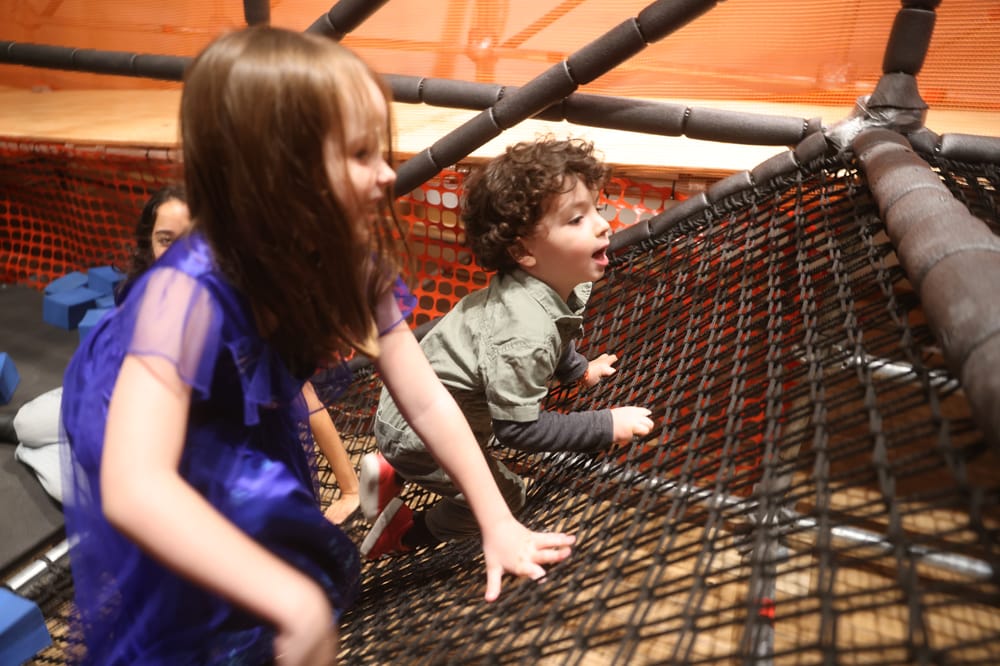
column 450, row 518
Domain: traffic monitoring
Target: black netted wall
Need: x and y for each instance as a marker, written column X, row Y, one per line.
column 816, row 491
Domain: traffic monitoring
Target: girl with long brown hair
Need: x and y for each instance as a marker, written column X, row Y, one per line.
column 192, row 508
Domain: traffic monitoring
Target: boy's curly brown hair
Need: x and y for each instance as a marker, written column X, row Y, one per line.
column 507, row 198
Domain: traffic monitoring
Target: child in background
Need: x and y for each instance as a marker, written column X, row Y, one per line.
column 529, row 215
column 164, row 218
column 35, row 426
column 197, row 534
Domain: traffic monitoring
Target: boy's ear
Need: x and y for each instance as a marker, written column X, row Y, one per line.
column 520, row 254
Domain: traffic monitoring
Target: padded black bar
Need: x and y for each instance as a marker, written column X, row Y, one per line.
column 937, row 240
column 621, row 113
column 741, row 127
column 257, row 12
column 779, row 165
column 344, row 17
column 50, row 56
column 452, row 147
column 908, row 42
column 729, row 186
column 102, row 62
column 557, row 82
column 815, row 146
column 168, row 68
column 446, row 151
column 122, row 63
column 554, row 83
column 617, row 45
column 406, row 89
column 671, row 217
column 629, row 236
column 455, row 94
column 662, row 18
column 924, row 140
column 896, row 91
column 970, row 148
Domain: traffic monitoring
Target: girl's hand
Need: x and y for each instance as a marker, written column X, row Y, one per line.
column 342, row 507
column 600, row 367
column 628, row 422
column 310, row 636
column 510, row 547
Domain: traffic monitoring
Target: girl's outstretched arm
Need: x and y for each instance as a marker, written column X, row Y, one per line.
column 328, row 440
column 147, row 500
column 433, row 414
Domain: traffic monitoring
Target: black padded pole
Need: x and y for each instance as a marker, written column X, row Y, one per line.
column 344, row 17
column 122, row 63
column 904, row 57
column 257, row 12
column 600, row 56
column 953, row 260
column 620, row 113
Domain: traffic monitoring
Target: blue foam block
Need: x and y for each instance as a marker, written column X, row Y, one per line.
column 22, row 629
column 90, row 320
column 66, row 282
column 65, row 309
column 104, row 279
column 106, row 302
column 9, row 378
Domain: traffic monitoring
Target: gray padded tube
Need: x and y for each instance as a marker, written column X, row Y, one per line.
column 617, row 45
column 953, row 260
column 908, row 41
column 344, row 17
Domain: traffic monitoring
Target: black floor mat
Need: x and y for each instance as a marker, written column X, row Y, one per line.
column 29, row 517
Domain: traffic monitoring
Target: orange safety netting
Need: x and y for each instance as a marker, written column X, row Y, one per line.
column 71, row 208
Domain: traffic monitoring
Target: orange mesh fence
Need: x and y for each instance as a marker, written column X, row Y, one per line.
column 67, row 208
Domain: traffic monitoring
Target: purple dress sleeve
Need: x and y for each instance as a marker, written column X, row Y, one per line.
column 248, row 451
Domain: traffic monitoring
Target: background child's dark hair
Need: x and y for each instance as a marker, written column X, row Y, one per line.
column 141, row 253
column 259, row 111
column 505, row 200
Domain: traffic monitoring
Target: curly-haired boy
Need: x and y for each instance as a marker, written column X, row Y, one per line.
column 530, row 216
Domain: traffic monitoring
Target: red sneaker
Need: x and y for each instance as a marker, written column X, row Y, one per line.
column 386, row 535
column 378, row 485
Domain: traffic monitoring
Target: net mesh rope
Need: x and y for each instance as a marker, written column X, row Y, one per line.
column 815, row 491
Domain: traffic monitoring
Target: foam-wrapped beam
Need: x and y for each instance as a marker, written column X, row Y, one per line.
column 671, row 217
column 953, row 260
column 741, row 127
column 782, row 164
column 549, row 87
column 629, row 236
column 601, row 55
column 970, row 148
column 909, row 40
column 459, row 94
column 665, row 16
column 634, row 115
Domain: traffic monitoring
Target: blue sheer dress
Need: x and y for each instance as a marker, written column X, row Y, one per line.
column 248, row 451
